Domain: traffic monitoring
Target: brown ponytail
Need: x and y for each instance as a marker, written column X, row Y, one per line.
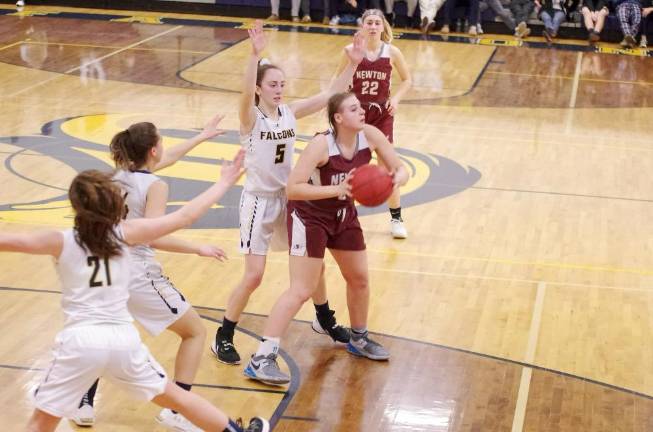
column 129, row 148
column 99, row 207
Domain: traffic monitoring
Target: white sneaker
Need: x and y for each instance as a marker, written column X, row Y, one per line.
column 85, row 416
column 335, row 20
column 479, row 29
column 20, row 3
column 397, row 229
column 175, row 422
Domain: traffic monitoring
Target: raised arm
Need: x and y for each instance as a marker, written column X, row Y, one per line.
column 170, row 243
column 399, row 63
column 47, row 242
column 386, row 152
column 138, row 231
column 353, row 55
column 313, row 156
column 246, row 112
column 173, row 154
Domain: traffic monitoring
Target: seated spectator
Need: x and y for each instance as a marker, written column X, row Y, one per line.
column 294, row 10
column 594, row 14
column 346, row 11
column 428, row 9
column 521, row 11
column 647, row 21
column 449, row 9
column 629, row 13
column 411, row 5
column 504, row 14
column 552, row 13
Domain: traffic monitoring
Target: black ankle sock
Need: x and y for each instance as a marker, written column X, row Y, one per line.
column 89, row 397
column 395, row 213
column 322, row 309
column 228, row 327
column 185, row 386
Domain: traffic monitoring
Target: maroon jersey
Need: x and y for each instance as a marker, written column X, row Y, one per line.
column 332, row 222
column 334, row 172
column 371, row 81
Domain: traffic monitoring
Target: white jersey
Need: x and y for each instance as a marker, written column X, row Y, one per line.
column 135, row 186
column 94, row 290
column 270, row 147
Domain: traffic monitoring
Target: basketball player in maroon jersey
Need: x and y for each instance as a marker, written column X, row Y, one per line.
column 371, row 84
column 321, row 215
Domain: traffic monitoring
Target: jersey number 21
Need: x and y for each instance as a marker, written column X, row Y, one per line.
column 94, row 262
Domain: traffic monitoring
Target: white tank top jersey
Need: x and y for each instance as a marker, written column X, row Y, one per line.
column 94, row 290
column 270, row 147
column 135, row 186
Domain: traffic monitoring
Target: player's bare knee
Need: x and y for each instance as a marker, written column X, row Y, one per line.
column 252, row 281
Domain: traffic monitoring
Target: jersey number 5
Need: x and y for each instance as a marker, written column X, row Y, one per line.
column 281, row 151
column 370, row 88
column 94, row 262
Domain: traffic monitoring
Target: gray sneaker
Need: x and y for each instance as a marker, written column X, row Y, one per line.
column 363, row 346
column 266, row 370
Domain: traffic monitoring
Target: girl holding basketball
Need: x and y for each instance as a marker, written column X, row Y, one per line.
column 98, row 338
column 371, row 84
column 322, row 215
column 267, row 130
column 154, row 301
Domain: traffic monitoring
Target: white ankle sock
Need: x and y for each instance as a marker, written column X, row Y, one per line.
column 268, row 346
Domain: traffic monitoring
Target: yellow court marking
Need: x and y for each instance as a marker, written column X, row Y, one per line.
column 143, row 19
column 11, row 45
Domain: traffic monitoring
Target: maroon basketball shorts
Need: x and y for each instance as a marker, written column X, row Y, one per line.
column 310, row 235
column 377, row 115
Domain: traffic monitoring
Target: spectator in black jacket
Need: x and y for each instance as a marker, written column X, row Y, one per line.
column 594, row 14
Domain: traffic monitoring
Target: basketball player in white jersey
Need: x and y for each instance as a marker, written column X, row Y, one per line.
column 267, row 130
column 154, row 301
column 98, row 338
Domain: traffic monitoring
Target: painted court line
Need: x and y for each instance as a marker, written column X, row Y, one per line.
column 574, row 87
column 104, row 57
column 529, row 357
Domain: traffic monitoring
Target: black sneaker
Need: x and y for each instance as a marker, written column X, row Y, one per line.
column 224, row 349
column 328, row 325
column 256, row 424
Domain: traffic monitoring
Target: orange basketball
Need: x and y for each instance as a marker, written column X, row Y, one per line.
column 371, row 185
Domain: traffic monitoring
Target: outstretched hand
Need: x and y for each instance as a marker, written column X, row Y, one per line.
column 211, row 129
column 356, row 51
column 257, row 38
column 211, row 251
column 233, row 170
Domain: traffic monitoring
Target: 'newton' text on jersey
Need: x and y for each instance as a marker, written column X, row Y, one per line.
column 371, row 74
column 336, row 179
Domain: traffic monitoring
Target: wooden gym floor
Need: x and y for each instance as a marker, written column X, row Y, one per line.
column 521, row 301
